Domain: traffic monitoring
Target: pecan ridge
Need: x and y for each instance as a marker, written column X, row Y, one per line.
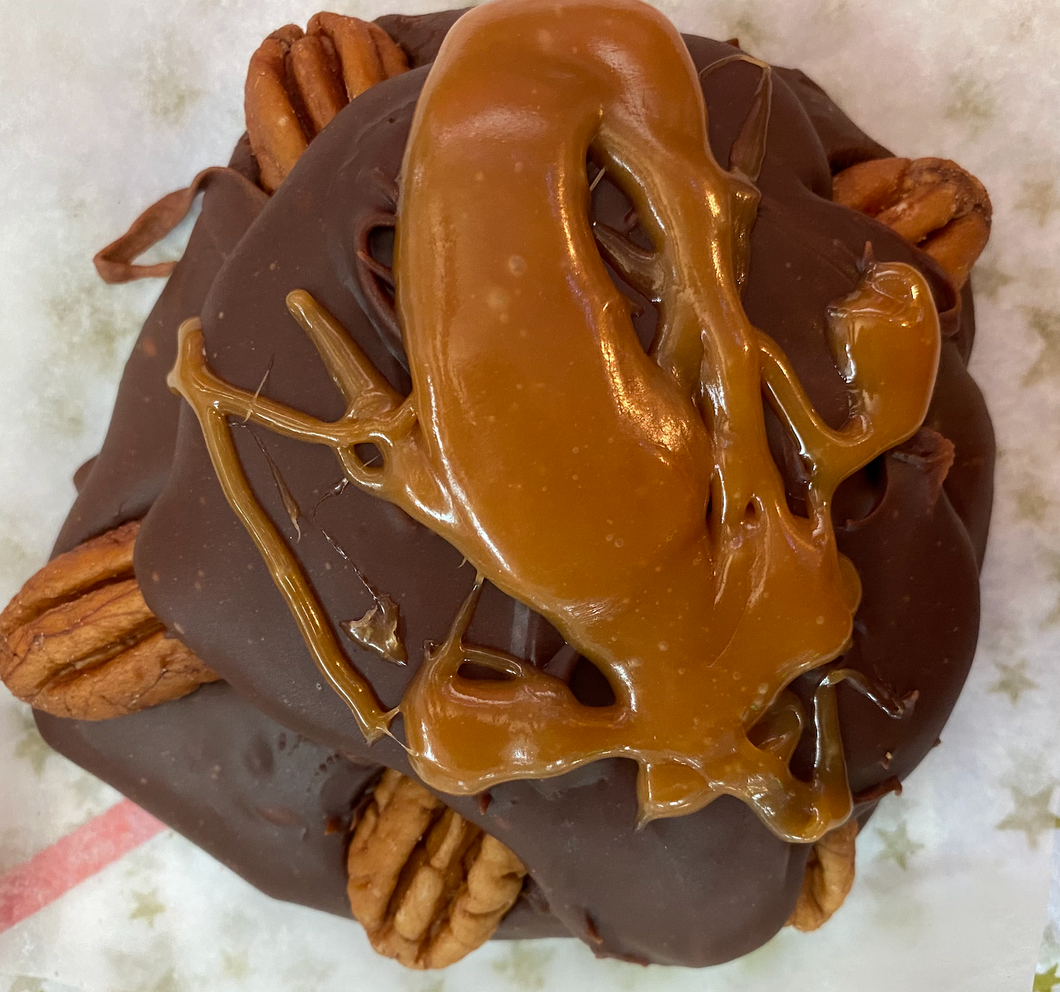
column 298, row 81
column 931, row 202
column 427, row 886
column 828, row 880
column 79, row 641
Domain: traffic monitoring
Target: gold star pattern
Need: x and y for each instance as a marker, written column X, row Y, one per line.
column 1014, row 681
column 169, row 93
column 147, row 907
column 1046, row 324
column 16, row 560
column 236, row 965
column 1031, row 503
column 972, row 103
column 432, row 985
column 26, row 984
column 748, row 32
column 1031, row 815
column 167, row 983
column 1046, row 981
column 525, row 967
column 988, row 280
column 1052, row 559
column 31, row 746
column 898, row 846
column 1040, row 198
column 86, row 790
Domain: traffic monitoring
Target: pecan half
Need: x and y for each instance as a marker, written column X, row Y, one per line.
column 931, row 202
column 427, row 886
column 829, row 878
column 297, row 82
column 79, row 641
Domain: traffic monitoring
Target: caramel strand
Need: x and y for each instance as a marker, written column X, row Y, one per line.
column 208, row 398
column 661, row 545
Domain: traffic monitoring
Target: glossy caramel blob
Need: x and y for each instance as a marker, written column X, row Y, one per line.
column 630, row 498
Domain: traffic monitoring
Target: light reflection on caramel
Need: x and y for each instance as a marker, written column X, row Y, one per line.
column 377, row 630
column 631, row 499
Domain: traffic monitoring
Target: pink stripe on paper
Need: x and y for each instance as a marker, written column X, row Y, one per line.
column 68, row 862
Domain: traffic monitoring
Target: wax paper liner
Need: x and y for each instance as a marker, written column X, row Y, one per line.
column 107, row 104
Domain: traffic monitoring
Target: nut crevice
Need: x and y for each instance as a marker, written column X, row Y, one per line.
column 828, row 880
column 298, row 81
column 80, row 641
column 427, row 885
column 931, row 202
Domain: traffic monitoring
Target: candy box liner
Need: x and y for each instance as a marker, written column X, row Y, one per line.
column 107, row 105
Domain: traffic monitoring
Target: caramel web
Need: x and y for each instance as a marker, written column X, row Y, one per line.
column 683, row 575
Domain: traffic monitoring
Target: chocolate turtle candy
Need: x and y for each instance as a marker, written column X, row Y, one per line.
column 690, row 890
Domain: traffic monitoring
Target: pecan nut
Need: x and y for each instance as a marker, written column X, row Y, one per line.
column 298, row 81
column 931, row 202
column 427, row 886
column 79, row 641
column 828, row 880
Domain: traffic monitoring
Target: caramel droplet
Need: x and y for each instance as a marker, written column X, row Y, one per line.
column 377, row 631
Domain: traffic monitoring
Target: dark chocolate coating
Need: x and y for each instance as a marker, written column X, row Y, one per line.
column 271, row 805
column 691, row 890
column 130, row 470
column 230, row 779
column 844, row 145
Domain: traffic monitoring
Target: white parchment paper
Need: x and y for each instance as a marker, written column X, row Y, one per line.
column 107, row 104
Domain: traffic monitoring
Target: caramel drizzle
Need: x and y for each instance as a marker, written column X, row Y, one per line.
column 662, row 546
column 214, row 401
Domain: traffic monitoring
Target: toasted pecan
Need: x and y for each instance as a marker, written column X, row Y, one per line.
column 427, row 886
column 79, row 641
column 317, row 76
column 931, row 202
column 828, row 880
column 297, row 82
column 276, row 135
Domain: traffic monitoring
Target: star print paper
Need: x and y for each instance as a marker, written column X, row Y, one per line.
column 110, row 103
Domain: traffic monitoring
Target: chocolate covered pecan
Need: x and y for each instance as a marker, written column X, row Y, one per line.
column 829, row 878
column 931, row 202
column 427, row 886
